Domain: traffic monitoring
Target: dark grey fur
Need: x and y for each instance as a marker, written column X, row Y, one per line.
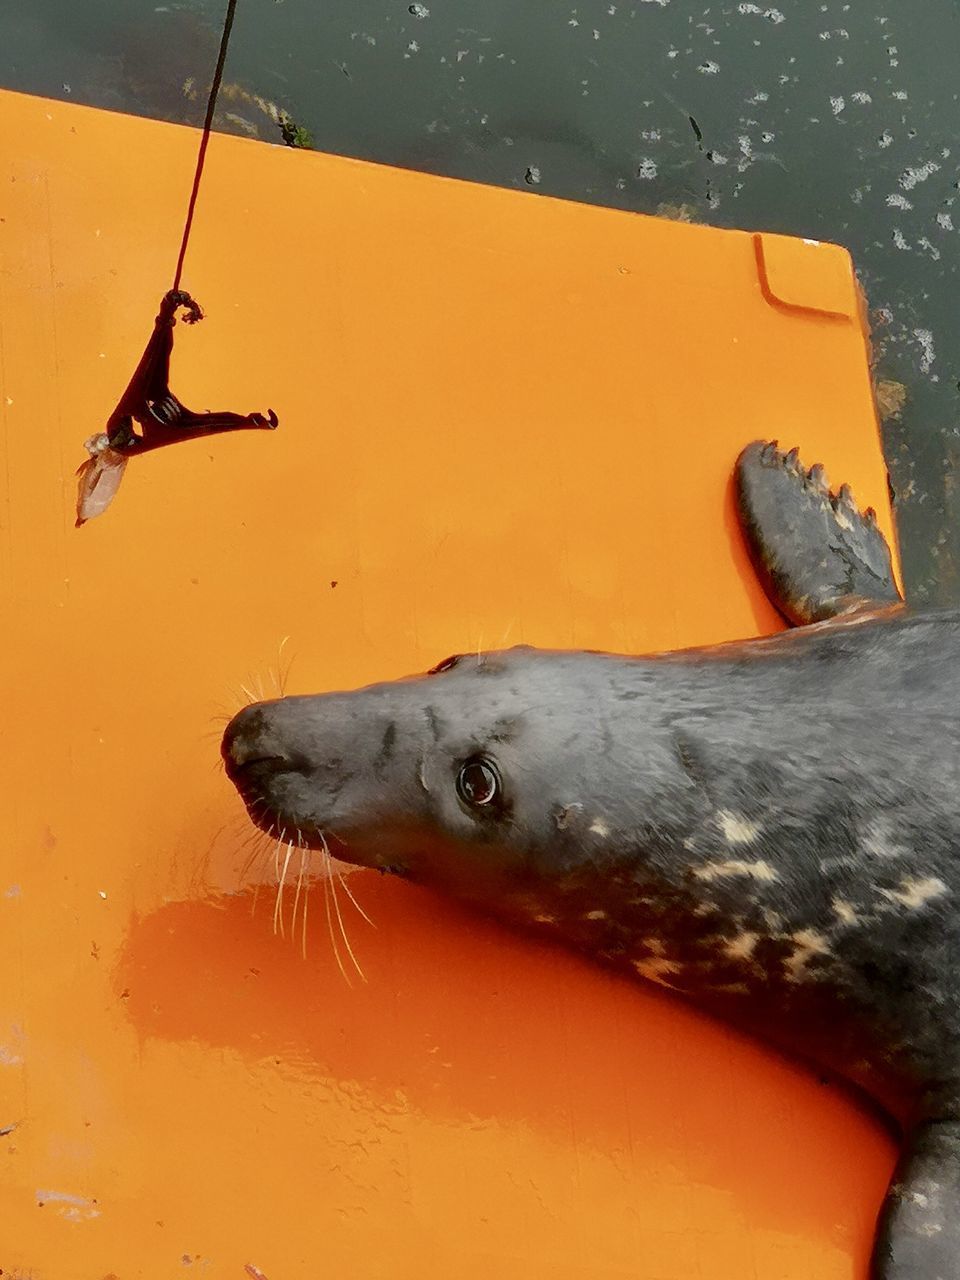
column 770, row 828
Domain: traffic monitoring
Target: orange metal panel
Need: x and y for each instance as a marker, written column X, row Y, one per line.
column 503, row 418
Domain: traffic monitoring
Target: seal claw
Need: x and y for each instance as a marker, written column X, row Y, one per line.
column 817, row 556
column 845, row 498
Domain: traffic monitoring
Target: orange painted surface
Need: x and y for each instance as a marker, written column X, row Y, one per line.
column 503, row 419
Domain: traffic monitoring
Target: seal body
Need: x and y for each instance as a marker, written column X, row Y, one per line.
column 770, row 828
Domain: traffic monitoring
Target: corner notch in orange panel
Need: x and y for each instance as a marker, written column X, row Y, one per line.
column 807, row 275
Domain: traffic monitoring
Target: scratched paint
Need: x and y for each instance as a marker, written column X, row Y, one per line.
column 71, row 1207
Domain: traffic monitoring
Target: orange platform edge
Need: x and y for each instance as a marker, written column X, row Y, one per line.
column 504, row 419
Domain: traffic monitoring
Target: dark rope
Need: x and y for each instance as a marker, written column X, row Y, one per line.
column 211, row 106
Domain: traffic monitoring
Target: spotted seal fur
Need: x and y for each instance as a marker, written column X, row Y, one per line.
column 771, row 828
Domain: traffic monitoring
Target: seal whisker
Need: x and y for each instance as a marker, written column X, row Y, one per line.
column 299, row 889
column 276, row 854
column 235, row 700
column 349, row 892
column 278, row 905
column 304, row 852
column 331, row 875
column 276, row 864
column 238, row 828
column 254, row 686
column 257, row 807
column 280, row 677
column 258, row 851
column 333, row 940
column 256, row 836
column 215, row 733
column 257, row 833
column 257, row 841
column 260, row 842
column 296, row 897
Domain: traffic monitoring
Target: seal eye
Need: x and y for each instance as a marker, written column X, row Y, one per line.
column 446, row 665
column 478, row 783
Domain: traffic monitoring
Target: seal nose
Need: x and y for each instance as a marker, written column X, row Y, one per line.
column 248, row 739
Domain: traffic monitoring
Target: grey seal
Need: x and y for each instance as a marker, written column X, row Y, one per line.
column 770, row 828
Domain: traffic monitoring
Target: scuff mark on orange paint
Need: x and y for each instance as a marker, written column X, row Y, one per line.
column 73, row 1208
column 10, row 1055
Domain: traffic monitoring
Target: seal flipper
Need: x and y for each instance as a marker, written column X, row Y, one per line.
column 816, row 555
column 919, row 1230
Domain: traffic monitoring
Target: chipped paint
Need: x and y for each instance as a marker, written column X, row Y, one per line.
column 72, row 1207
column 10, row 1052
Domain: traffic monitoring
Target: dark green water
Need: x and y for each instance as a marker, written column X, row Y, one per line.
column 839, row 121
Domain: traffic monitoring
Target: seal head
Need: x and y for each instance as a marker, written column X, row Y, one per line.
column 488, row 771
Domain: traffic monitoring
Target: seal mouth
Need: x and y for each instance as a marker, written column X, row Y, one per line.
column 254, row 776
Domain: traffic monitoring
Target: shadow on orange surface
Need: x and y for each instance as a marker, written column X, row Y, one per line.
column 503, row 1030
